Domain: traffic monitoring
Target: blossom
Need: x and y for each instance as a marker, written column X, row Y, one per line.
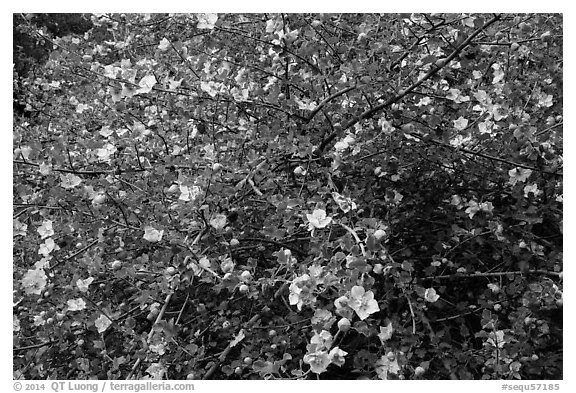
column 323, row 339
column 337, row 356
column 460, row 123
column 385, row 333
column 363, row 302
column 76, row 304
column 84, row 284
column 102, row 323
column 69, row 181
column 318, row 361
column 45, row 230
column 346, row 204
column 531, row 188
column 430, row 295
column 47, row 247
column 345, row 143
column 218, row 221
column 318, row 219
column 518, row 175
column 387, row 364
column 34, row 281
column 152, row 235
column 301, row 290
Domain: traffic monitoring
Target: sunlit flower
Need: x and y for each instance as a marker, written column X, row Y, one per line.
column 363, row 302
column 318, row 219
column 318, row 361
column 430, row 295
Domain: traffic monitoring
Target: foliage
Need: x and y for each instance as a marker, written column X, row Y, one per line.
column 289, row 197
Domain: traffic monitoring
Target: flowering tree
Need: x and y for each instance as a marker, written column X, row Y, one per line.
column 288, row 196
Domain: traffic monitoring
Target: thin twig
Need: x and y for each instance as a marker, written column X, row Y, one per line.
column 327, row 100
column 262, row 240
column 411, row 313
column 435, row 68
column 492, row 274
column 35, row 346
column 229, row 347
column 151, row 333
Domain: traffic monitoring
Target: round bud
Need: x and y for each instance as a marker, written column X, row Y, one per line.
column 116, row 265
column 497, row 307
column 378, row 268
column 299, row 170
column 243, row 289
column 559, row 302
column 216, row 167
column 379, row 234
column 98, row 199
column 246, row 276
column 440, row 62
column 419, row 371
column 272, row 333
column 344, row 324
column 248, row 360
column 170, row 271
column 234, row 243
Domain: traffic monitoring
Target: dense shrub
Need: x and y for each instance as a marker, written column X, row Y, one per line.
column 289, row 196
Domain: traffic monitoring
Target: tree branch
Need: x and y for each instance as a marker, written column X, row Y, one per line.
column 435, row 68
column 489, row 157
column 262, row 240
column 327, row 100
column 492, row 274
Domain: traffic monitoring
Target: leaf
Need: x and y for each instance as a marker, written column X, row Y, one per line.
column 18, row 228
column 461, row 123
column 164, row 44
column 76, row 304
column 345, row 204
column 263, row 367
column 84, row 284
column 156, row 370
column 239, row 337
column 45, row 230
column 218, row 222
column 69, row 181
column 105, row 131
column 387, row 364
